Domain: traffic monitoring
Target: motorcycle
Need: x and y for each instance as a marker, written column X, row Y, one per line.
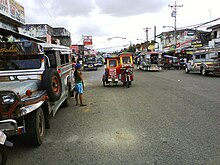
column 4, row 143
column 127, row 77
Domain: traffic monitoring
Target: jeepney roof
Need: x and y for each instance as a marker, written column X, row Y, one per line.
column 47, row 46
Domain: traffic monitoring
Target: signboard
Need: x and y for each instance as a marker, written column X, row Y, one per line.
column 196, row 43
column 12, row 9
column 87, row 40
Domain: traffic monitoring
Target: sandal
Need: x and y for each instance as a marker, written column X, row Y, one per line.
column 83, row 105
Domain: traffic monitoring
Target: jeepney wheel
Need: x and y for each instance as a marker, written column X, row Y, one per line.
column 35, row 124
column 186, row 70
column 3, row 155
column 103, row 82
column 52, row 83
column 204, row 72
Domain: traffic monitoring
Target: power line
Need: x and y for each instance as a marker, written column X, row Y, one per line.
column 49, row 13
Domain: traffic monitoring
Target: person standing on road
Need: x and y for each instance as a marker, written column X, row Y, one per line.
column 79, row 85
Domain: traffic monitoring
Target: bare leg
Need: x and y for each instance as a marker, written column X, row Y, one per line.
column 76, row 97
column 80, row 99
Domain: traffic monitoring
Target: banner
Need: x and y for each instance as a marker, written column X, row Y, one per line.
column 87, row 40
column 12, row 9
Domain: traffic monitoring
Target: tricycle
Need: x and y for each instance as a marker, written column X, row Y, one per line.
column 118, row 68
column 111, row 75
column 126, row 67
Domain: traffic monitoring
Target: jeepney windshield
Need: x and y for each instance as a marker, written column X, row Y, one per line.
column 90, row 59
column 20, row 62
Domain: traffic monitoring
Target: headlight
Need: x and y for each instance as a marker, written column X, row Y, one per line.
column 8, row 98
column 85, row 64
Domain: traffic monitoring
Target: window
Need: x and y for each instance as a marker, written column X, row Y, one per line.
column 112, row 63
column 197, row 57
column 203, row 56
column 126, row 60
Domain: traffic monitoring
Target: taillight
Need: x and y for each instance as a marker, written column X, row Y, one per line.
column 28, row 93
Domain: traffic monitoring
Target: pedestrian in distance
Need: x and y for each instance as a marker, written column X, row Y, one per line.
column 79, row 85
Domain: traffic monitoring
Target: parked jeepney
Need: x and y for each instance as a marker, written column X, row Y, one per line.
column 35, row 80
column 204, row 61
column 170, row 62
column 150, row 61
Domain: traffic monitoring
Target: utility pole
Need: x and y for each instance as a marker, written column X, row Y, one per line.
column 173, row 14
column 146, row 30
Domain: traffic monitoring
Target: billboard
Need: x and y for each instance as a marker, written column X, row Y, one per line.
column 87, row 40
column 12, row 9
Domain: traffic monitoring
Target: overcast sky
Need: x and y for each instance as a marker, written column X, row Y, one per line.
column 124, row 18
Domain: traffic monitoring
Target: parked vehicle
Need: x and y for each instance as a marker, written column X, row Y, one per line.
column 90, row 62
column 100, row 62
column 35, row 80
column 151, row 61
column 204, row 61
column 4, row 143
column 170, row 62
column 183, row 62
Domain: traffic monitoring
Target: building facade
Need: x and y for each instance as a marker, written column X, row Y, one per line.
column 185, row 39
column 49, row 34
column 215, row 36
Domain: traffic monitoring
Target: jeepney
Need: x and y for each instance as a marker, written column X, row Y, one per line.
column 204, row 61
column 150, row 61
column 35, row 80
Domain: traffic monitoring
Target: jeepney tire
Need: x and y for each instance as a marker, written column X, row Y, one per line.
column 103, row 82
column 52, row 83
column 3, row 155
column 186, row 70
column 204, row 71
column 36, row 127
column 66, row 103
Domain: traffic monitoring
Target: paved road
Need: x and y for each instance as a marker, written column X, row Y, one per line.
column 165, row 118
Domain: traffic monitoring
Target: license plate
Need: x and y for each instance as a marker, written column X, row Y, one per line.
column 2, row 138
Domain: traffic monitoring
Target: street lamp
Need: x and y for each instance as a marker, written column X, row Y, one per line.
column 115, row 37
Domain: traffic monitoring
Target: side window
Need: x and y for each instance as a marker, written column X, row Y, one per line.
column 52, row 59
column 203, row 56
column 62, row 59
column 67, row 58
column 197, row 56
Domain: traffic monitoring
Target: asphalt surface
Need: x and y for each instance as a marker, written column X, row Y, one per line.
column 164, row 118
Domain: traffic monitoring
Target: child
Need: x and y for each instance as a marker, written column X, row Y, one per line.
column 79, row 86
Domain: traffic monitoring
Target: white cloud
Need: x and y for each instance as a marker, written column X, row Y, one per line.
column 109, row 18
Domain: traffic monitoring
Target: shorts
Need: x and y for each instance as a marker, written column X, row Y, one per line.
column 79, row 88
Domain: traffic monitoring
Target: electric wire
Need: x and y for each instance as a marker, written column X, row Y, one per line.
column 49, row 14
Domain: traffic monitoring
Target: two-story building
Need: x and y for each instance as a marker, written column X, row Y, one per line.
column 45, row 32
column 183, row 42
column 215, row 36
